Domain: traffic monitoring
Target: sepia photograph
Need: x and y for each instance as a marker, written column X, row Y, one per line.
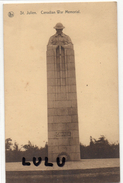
column 61, row 92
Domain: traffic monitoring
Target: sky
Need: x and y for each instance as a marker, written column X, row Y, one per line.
column 94, row 34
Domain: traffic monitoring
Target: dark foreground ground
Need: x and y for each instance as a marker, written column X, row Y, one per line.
column 100, row 175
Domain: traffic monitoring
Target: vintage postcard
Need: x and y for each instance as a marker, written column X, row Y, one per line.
column 61, row 92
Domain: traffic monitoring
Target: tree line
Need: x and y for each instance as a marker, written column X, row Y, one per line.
column 100, row 148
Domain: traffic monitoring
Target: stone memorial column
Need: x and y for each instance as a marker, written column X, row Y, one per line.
column 63, row 134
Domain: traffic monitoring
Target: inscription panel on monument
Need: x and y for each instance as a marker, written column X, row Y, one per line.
column 63, row 134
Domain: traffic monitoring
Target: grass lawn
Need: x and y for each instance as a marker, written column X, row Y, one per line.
column 100, row 175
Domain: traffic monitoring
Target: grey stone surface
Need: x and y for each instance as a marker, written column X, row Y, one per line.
column 63, row 133
column 82, row 164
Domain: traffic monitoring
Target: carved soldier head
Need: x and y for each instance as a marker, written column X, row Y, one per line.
column 59, row 27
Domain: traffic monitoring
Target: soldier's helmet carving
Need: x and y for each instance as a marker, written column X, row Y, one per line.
column 59, row 26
